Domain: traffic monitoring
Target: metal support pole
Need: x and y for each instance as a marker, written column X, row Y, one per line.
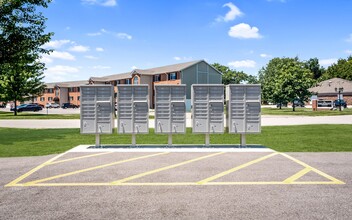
column 97, row 140
column 207, row 139
column 243, row 140
column 169, row 140
column 133, row 139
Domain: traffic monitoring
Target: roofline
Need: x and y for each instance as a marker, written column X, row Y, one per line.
column 206, row 63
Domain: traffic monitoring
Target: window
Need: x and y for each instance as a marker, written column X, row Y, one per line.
column 50, row 99
column 117, row 82
column 57, row 92
column 78, row 98
column 172, row 76
column 157, row 78
column 70, row 89
column 135, row 80
column 128, row 81
column 42, row 99
column 71, row 98
column 50, row 90
column 78, row 89
column 34, row 99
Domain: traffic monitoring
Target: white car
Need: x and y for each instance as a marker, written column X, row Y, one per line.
column 52, row 105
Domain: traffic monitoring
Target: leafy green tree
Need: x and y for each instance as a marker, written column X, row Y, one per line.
column 21, row 37
column 284, row 80
column 315, row 68
column 231, row 76
column 342, row 69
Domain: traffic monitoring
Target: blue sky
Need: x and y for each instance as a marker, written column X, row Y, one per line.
column 103, row 37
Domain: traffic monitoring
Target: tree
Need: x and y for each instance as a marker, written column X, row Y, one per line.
column 234, row 77
column 342, row 69
column 21, row 37
column 284, row 80
column 315, row 68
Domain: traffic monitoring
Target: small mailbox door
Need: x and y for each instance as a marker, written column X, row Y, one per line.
column 200, row 120
column 162, row 117
column 178, row 117
column 88, row 118
column 237, row 117
column 104, row 110
column 253, row 117
column 216, row 117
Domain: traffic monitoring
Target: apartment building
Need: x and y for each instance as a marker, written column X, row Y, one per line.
column 329, row 90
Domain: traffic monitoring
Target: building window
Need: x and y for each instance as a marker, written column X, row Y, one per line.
column 135, row 80
column 157, row 78
column 78, row 89
column 117, row 82
column 34, row 99
column 50, row 99
column 50, row 90
column 128, row 81
column 71, row 98
column 42, row 99
column 172, row 76
column 78, row 98
column 57, row 92
column 70, row 89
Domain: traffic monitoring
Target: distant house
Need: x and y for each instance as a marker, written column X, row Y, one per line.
column 194, row 72
column 328, row 89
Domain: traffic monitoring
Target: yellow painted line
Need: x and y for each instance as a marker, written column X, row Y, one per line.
column 19, row 179
column 164, row 168
column 236, row 168
column 244, row 183
column 297, row 175
column 313, row 169
column 316, row 183
column 77, row 158
column 93, row 168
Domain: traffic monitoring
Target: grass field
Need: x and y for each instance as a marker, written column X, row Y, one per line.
column 305, row 138
column 305, row 112
column 26, row 115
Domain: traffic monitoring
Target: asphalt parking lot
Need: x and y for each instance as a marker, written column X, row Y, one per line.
column 226, row 185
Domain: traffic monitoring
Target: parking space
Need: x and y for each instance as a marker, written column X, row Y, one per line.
column 173, row 169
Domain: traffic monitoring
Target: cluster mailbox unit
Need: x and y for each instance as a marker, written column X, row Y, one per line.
column 132, row 110
column 208, row 109
column 170, row 110
column 243, row 109
column 97, row 110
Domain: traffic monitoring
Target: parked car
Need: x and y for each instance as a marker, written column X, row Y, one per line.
column 52, row 105
column 28, row 108
column 298, row 103
column 69, row 105
column 339, row 102
column 37, row 104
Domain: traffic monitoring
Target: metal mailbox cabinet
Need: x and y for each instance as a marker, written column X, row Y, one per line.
column 97, row 109
column 208, row 108
column 170, row 109
column 132, row 109
column 243, row 108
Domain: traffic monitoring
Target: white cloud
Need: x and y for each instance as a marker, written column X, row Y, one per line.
column 244, row 31
column 56, row 43
column 45, row 59
column 232, row 14
column 134, row 67
column 61, row 55
column 349, row 39
column 183, row 58
column 348, row 51
column 177, row 58
column 242, row 64
column 94, row 34
column 99, row 49
column 79, row 48
column 264, row 55
column 59, row 73
column 124, row 36
column 91, row 57
column 327, row 62
column 107, row 3
column 101, row 67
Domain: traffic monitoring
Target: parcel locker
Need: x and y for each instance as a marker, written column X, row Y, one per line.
column 208, row 108
column 132, row 109
column 243, row 108
column 97, row 109
column 170, row 109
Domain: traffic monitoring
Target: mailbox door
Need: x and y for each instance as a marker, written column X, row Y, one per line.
column 140, row 117
column 178, row 93
column 88, row 118
column 178, row 117
column 162, row 118
column 253, row 117
column 104, row 117
column 253, row 93
column 125, row 118
column 237, row 117
column 140, row 93
column 216, row 117
column 200, row 117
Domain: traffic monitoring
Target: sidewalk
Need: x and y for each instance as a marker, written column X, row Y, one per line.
column 267, row 120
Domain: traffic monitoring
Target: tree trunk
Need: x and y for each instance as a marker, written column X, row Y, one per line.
column 293, row 106
column 15, row 110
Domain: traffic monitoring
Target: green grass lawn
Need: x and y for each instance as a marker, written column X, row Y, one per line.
column 26, row 115
column 305, row 111
column 305, row 138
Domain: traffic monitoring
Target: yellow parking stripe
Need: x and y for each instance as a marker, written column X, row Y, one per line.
column 297, row 175
column 236, row 168
column 164, row 168
column 93, row 168
column 82, row 157
column 19, row 179
column 313, row 169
